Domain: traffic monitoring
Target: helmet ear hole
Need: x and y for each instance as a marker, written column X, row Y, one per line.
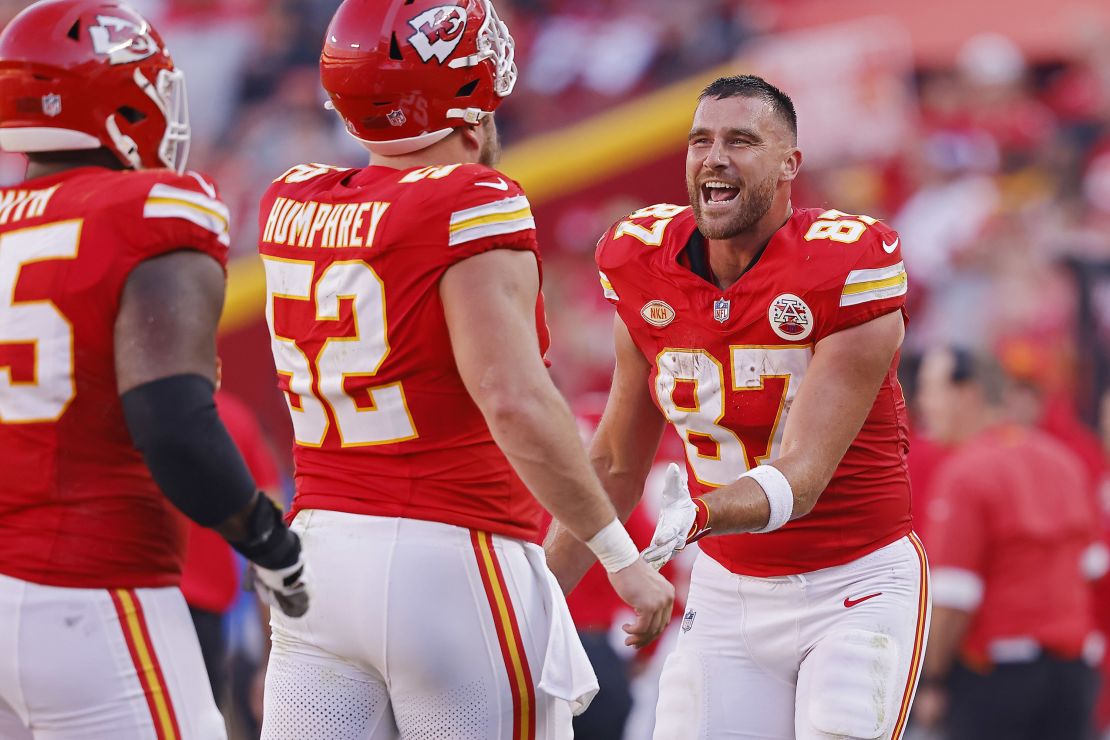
column 467, row 90
column 132, row 115
column 395, row 49
column 75, row 30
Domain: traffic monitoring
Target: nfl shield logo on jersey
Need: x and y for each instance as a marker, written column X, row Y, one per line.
column 790, row 317
column 52, row 104
column 688, row 620
column 721, row 309
column 396, row 117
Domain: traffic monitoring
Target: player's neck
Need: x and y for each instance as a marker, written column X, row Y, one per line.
column 45, row 164
column 731, row 258
column 452, row 150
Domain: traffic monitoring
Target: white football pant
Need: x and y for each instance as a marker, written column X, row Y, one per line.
column 423, row 630
column 835, row 653
column 92, row 664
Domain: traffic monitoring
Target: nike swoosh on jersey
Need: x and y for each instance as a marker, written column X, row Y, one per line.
column 889, row 248
column 849, row 602
column 502, row 185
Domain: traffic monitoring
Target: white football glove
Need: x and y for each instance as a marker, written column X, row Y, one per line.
column 676, row 518
column 284, row 588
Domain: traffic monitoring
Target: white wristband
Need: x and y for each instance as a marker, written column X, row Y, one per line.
column 780, row 496
column 614, row 549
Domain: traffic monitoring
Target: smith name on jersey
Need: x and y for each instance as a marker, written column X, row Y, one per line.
column 78, row 507
column 383, row 423
column 727, row 364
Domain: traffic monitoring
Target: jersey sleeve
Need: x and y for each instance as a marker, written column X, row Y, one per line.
column 181, row 212
column 875, row 282
column 618, row 245
column 490, row 211
column 602, row 257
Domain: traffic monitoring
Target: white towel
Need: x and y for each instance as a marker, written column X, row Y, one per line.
column 567, row 673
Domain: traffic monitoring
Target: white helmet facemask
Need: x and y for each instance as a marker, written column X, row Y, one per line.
column 168, row 93
column 496, row 43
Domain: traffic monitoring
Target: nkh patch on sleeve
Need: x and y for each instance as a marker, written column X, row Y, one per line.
column 506, row 216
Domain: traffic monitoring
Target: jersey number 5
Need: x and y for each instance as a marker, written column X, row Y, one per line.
column 383, row 416
column 35, row 385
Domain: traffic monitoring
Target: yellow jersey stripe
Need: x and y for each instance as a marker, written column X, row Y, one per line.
column 889, row 282
column 507, row 628
column 492, row 218
column 146, row 664
column 922, row 627
column 186, row 204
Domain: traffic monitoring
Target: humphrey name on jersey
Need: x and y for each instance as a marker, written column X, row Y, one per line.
column 330, row 226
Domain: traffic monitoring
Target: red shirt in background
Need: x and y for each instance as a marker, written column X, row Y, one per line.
column 924, row 460
column 209, row 579
column 1010, row 510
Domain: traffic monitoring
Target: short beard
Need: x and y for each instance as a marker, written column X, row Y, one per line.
column 751, row 205
column 490, row 153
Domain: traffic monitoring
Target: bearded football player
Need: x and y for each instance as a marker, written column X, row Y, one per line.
column 768, row 336
column 409, row 339
column 111, row 285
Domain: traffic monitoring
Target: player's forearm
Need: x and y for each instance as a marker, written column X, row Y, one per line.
column 567, row 557
column 744, row 506
column 535, row 430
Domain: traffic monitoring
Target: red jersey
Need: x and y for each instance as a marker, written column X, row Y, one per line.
column 1009, row 512
column 726, row 366
column 382, row 421
column 78, row 507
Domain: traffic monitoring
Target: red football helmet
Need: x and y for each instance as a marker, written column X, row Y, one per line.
column 84, row 74
column 404, row 73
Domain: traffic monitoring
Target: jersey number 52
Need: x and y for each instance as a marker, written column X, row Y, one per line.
column 383, row 416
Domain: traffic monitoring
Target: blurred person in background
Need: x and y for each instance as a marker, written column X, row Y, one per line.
column 1011, row 526
column 768, row 336
column 112, row 263
column 409, row 337
column 209, row 581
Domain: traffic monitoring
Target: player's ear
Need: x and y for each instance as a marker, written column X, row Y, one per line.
column 791, row 163
column 471, row 139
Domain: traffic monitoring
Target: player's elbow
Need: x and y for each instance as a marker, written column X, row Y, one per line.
column 513, row 411
column 808, row 482
column 623, row 481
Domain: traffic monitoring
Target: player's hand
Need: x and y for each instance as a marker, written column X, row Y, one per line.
column 649, row 595
column 676, row 518
column 284, row 588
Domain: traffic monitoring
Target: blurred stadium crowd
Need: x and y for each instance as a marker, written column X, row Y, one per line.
column 994, row 167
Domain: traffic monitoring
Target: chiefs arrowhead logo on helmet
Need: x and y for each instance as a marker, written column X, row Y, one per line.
column 438, row 32
column 121, row 40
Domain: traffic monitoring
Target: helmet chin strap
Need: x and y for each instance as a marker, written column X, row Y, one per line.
column 405, row 146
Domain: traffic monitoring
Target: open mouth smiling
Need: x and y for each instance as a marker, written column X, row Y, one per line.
column 717, row 192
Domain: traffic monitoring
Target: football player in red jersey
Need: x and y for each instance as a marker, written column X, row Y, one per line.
column 111, row 284
column 409, row 335
column 768, row 336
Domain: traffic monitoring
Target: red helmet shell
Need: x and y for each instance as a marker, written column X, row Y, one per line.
column 81, row 74
column 403, row 73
